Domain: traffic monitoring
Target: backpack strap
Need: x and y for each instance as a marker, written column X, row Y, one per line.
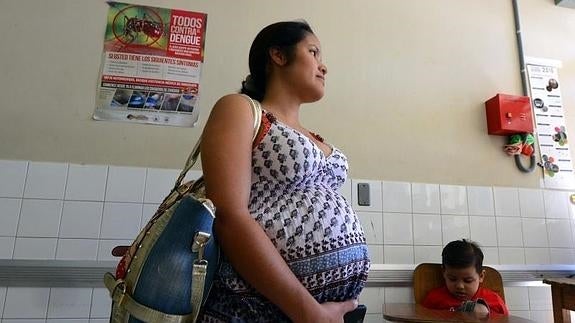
column 119, row 251
column 257, row 112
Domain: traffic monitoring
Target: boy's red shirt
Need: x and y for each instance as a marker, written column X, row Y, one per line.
column 441, row 299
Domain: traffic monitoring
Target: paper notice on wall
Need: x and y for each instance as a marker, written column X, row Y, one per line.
column 550, row 125
column 151, row 64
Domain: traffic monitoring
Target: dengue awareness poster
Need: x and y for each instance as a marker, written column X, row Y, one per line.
column 551, row 130
column 151, row 65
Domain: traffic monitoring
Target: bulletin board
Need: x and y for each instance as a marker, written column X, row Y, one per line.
column 551, row 128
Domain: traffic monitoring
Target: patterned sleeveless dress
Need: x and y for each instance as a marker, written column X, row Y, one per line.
column 295, row 199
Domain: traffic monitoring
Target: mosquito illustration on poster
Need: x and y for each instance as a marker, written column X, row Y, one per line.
column 138, row 26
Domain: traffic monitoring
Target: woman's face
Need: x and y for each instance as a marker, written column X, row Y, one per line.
column 306, row 72
column 462, row 283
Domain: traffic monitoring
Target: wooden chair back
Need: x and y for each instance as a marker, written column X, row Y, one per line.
column 428, row 276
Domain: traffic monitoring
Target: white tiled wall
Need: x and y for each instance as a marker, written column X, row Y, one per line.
column 80, row 212
column 71, row 212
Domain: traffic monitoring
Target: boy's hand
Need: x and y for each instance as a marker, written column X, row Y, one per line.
column 479, row 307
column 481, row 310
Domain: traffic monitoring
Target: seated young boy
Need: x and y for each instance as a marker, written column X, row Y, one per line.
column 462, row 262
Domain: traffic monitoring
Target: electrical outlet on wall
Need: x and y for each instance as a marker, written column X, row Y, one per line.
column 565, row 3
column 363, row 194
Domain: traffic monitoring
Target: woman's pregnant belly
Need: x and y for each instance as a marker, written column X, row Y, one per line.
column 320, row 237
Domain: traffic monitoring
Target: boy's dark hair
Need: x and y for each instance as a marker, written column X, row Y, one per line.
column 461, row 254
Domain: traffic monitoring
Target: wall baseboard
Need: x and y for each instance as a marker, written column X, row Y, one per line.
column 74, row 273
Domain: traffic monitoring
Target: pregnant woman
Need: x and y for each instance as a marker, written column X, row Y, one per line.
column 293, row 248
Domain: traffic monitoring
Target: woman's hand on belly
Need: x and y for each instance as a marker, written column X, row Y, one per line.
column 329, row 312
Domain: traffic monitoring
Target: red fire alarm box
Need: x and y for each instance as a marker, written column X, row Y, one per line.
column 508, row 114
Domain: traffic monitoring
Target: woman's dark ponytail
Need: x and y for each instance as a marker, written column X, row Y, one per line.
column 251, row 88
